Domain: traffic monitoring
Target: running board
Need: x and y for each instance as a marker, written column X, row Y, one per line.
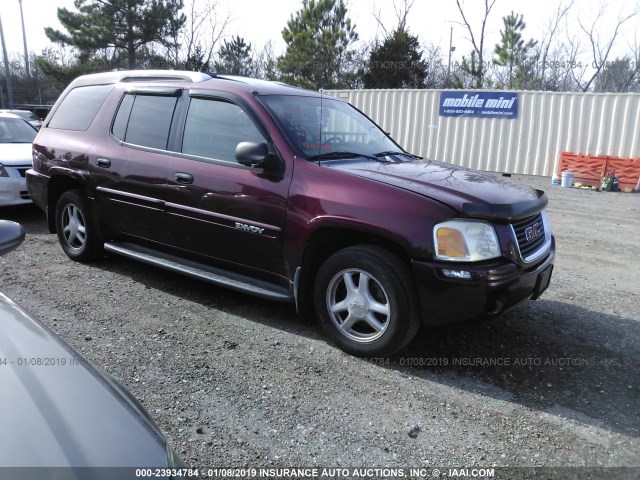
column 209, row 274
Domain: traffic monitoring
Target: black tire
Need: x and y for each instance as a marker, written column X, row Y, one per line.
column 76, row 228
column 373, row 298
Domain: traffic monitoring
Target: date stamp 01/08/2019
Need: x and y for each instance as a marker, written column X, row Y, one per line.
column 54, row 361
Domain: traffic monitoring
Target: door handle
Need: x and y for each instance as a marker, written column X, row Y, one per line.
column 184, row 178
column 103, row 162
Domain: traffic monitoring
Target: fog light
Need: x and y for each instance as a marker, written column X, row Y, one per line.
column 456, row 273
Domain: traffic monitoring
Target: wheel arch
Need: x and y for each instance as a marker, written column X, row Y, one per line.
column 59, row 183
column 329, row 239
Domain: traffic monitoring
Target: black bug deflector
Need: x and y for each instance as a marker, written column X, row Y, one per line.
column 506, row 212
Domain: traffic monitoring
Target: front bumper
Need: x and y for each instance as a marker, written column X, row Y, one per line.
column 492, row 289
column 13, row 191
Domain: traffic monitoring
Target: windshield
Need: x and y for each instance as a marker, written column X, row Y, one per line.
column 26, row 115
column 16, row 130
column 327, row 127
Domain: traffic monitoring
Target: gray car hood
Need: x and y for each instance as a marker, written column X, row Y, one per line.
column 57, row 410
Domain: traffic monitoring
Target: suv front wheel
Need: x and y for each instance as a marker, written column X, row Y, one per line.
column 365, row 300
column 76, row 229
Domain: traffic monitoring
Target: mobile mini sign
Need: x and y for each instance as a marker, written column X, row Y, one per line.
column 479, row 104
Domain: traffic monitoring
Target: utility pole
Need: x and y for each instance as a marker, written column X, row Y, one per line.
column 451, row 49
column 7, row 72
column 24, row 41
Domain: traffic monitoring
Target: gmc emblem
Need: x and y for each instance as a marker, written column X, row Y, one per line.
column 533, row 232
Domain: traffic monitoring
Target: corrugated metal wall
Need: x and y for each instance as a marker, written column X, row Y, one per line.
column 548, row 123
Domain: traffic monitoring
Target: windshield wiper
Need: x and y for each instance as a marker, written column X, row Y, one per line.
column 390, row 153
column 330, row 155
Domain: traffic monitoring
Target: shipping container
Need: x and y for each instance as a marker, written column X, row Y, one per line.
column 547, row 124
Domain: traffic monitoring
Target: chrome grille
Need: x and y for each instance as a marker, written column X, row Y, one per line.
column 531, row 235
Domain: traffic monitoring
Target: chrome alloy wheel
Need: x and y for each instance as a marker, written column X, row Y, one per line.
column 358, row 305
column 74, row 226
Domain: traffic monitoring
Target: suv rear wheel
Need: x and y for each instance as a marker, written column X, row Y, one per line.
column 365, row 300
column 75, row 227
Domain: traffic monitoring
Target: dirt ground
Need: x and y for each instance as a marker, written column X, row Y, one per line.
column 235, row 381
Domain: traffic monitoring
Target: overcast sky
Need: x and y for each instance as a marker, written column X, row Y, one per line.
column 261, row 21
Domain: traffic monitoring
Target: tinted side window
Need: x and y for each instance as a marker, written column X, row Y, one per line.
column 121, row 121
column 80, row 107
column 214, row 128
column 150, row 120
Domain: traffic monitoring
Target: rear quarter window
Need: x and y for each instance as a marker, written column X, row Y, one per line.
column 79, row 107
column 144, row 120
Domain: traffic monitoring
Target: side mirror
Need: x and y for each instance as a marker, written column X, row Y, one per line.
column 11, row 235
column 253, row 154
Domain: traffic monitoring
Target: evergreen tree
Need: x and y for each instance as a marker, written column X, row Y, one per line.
column 476, row 66
column 318, row 39
column 196, row 61
column 235, row 58
column 468, row 73
column 124, row 26
column 513, row 52
column 396, row 62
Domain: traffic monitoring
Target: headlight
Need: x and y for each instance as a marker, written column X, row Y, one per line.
column 465, row 241
column 3, row 172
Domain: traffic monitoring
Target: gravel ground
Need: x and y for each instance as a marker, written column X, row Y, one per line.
column 235, row 381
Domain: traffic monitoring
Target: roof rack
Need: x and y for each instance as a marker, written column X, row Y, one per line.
column 141, row 76
column 146, row 75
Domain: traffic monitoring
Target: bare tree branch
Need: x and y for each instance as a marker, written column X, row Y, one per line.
column 402, row 12
column 634, row 73
column 202, row 31
column 478, row 46
column 600, row 52
column 552, row 27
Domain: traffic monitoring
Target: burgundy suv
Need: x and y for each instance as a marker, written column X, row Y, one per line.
column 286, row 194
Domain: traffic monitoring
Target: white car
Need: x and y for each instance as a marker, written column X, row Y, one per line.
column 16, row 135
column 28, row 115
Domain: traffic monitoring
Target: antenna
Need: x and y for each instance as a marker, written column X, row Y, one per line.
column 320, row 119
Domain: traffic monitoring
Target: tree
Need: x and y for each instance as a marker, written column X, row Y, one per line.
column 513, row 53
column 552, row 61
column 123, row 26
column 476, row 65
column 62, row 73
column 436, row 67
column 266, row 63
column 197, row 60
column 318, row 39
column 195, row 43
column 396, row 62
column 468, row 73
column 600, row 49
column 235, row 58
column 619, row 75
column 28, row 86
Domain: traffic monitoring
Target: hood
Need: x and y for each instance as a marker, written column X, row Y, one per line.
column 472, row 193
column 15, row 153
column 59, row 411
